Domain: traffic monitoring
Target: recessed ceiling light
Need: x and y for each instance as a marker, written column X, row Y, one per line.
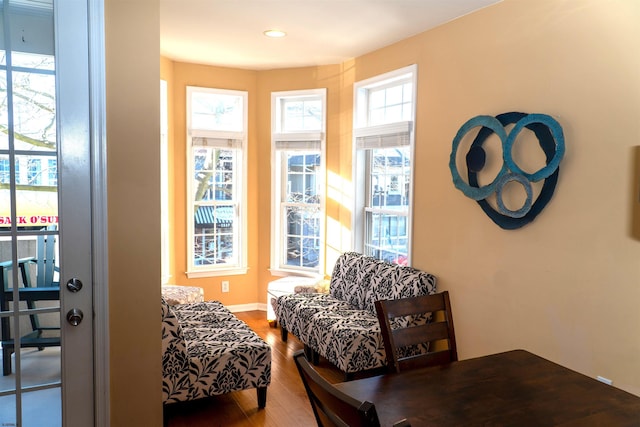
column 275, row 33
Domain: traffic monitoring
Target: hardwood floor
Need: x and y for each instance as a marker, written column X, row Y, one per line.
column 287, row 402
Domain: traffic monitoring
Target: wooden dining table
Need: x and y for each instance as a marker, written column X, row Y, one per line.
column 515, row 388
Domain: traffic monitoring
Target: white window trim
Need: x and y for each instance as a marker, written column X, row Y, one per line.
column 360, row 130
column 213, row 270
column 164, row 183
column 276, row 268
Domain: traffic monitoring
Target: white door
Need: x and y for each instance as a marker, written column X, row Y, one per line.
column 46, row 215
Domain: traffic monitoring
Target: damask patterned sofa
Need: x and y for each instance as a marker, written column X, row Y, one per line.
column 342, row 326
column 207, row 351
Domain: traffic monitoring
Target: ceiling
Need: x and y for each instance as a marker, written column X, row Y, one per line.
column 319, row 32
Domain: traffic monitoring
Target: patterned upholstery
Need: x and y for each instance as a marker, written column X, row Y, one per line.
column 206, row 351
column 174, row 294
column 351, row 278
column 342, row 326
column 392, row 281
column 294, row 312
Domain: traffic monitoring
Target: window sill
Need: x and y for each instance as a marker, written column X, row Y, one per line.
column 279, row 272
column 217, row 272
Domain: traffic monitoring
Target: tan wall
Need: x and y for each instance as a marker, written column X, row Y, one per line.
column 133, row 135
column 565, row 286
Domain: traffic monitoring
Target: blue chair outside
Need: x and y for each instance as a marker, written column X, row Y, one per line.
column 40, row 282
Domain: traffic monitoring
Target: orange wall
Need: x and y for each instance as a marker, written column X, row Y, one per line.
column 243, row 288
column 566, row 286
column 328, row 77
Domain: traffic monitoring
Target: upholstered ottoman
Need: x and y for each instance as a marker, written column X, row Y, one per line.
column 208, row 351
column 175, row 294
column 287, row 286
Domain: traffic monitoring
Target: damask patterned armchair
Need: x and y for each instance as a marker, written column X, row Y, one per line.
column 207, row 351
column 342, row 326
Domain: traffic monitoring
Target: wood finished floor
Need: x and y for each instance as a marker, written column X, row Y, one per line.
column 287, row 403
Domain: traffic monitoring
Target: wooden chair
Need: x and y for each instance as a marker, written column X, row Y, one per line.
column 46, row 276
column 435, row 334
column 332, row 407
column 44, row 286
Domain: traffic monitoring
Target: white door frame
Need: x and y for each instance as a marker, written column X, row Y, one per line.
column 80, row 40
column 97, row 79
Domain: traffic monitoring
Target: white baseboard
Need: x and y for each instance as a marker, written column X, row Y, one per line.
column 247, row 307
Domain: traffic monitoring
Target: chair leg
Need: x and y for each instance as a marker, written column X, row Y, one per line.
column 283, row 333
column 165, row 416
column 262, row 397
column 6, row 361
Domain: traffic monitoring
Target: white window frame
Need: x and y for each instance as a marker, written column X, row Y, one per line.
column 164, row 182
column 223, row 139
column 388, row 134
column 286, row 140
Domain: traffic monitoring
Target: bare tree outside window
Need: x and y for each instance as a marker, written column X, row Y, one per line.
column 27, row 101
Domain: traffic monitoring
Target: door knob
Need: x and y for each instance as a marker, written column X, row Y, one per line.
column 74, row 284
column 75, row 316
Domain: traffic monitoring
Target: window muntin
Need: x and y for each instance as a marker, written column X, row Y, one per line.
column 300, row 114
column 391, row 103
column 384, row 115
column 387, row 205
column 217, row 119
column 217, row 111
column 301, row 210
column 28, row 140
column 214, row 207
column 298, row 150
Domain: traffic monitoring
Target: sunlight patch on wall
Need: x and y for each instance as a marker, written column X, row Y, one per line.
column 340, row 190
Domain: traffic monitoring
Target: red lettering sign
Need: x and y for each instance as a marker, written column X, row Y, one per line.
column 32, row 220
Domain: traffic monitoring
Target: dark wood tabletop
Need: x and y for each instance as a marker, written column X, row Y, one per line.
column 516, row 388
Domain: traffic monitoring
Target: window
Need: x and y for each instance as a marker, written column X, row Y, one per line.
column 164, row 183
column 384, row 115
column 298, row 126
column 216, row 136
column 28, row 141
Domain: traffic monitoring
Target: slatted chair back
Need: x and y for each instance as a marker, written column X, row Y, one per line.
column 437, row 336
column 332, row 407
column 46, row 276
column 46, row 262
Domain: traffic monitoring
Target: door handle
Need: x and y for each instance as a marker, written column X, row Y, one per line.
column 75, row 316
column 74, row 285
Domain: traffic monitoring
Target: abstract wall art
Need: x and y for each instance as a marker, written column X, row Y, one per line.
column 551, row 140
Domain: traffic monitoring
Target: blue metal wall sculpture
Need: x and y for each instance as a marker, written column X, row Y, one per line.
column 551, row 140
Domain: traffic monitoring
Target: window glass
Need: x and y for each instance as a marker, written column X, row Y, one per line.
column 216, row 142
column 34, row 111
column 298, row 177
column 383, row 120
column 301, row 114
column 301, row 209
column 28, row 103
column 217, row 111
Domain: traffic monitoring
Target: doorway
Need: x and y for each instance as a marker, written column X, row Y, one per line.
column 47, row 214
